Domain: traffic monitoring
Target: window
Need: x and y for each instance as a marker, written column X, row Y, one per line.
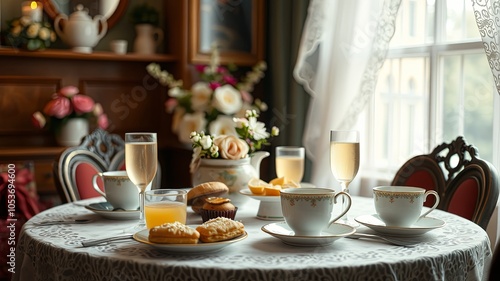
column 435, row 85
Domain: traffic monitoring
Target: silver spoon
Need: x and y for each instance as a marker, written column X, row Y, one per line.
column 406, row 242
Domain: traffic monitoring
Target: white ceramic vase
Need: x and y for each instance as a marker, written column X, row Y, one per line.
column 148, row 37
column 72, row 132
column 234, row 173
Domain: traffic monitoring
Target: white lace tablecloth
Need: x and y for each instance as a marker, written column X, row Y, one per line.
column 458, row 251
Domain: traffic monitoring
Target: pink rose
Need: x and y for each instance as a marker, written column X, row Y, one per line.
column 82, row 104
column 38, row 120
column 170, row 105
column 246, row 97
column 102, row 121
column 230, row 79
column 200, row 68
column 231, row 147
column 59, row 107
column 68, row 91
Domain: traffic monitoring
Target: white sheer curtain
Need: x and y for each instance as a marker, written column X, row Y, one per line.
column 487, row 14
column 343, row 45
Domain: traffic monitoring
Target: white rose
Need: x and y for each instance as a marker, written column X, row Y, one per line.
column 206, row 142
column 231, row 147
column 32, row 30
column 227, row 99
column 201, row 94
column 189, row 123
column 44, row 33
column 223, row 125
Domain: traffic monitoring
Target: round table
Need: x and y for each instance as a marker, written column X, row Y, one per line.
column 460, row 250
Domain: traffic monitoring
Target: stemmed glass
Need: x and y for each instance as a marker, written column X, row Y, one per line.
column 344, row 161
column 141, row 158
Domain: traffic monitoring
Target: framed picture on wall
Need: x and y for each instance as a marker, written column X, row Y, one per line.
column 235, row 26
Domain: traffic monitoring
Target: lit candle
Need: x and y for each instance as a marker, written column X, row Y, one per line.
column 33, row 10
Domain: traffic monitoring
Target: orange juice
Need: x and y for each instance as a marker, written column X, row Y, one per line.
column 159, row 213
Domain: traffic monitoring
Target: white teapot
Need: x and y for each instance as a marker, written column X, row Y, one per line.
column 81, row 32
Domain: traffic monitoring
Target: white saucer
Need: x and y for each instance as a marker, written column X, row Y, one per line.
column 422, row 226
column 143, row 237
column 269, row 207
column 282, row 231
column 105, row 210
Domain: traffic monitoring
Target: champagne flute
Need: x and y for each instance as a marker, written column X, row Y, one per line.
column 141, row 159
column 344, row 161
column 290, row 162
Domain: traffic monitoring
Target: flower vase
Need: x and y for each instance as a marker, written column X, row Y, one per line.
column 234, row 173
column 147, row 39
column 72, row 132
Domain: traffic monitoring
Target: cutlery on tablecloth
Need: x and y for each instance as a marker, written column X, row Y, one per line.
column 76, row 221
column 406, row 242
column 95, row 242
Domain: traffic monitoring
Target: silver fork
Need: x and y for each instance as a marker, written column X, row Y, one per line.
column 406, row 242
column 95, row 242
column 76, row 221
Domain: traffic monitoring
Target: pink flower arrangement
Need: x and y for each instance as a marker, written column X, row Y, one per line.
column 67, row 104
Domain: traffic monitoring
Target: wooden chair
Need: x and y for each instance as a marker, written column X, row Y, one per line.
column 466, row 184
column 75, row 166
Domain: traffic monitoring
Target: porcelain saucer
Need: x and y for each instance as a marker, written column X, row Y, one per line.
column 422, row 226
column 143, row 237
column 269, row 207
column 283, row 232
column 105, row 210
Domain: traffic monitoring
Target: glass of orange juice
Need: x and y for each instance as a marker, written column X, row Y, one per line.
column 165, row 205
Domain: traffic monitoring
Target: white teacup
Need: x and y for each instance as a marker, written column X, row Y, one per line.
column 119, row 191
column 308, row 210
column 401, row 206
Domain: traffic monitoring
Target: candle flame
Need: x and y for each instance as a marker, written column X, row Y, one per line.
column 34, row 5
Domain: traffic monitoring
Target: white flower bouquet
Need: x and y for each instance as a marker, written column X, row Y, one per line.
column 210, row 105
column 23, row 32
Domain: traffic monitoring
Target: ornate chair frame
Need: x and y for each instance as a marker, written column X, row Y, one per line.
column 440, row 171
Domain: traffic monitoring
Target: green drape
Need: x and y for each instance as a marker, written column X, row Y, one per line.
column 287, row 100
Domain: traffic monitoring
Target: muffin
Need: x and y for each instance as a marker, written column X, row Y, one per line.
column 215, row 207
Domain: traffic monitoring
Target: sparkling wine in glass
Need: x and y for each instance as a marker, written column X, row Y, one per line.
column 290, row 162
column 141, row 160
column 344, row 161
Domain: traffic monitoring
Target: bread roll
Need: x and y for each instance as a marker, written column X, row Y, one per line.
column 196, row 196
column 173, row 233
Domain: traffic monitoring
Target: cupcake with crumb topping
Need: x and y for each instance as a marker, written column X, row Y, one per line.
column 217, row 207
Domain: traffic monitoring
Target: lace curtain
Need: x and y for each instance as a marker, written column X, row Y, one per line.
column 487, row 14
column 343, row 46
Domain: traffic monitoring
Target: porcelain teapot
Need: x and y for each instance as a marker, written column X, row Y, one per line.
column 234, row 173
column 81, row 32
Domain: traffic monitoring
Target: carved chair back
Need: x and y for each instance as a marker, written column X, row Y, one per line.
column 466, row 184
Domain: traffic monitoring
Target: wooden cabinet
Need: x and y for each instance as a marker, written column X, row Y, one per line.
column 132, row 99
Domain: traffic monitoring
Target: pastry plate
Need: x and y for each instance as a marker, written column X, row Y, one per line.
column 261, row 198
column 105, row 210
column 283, row 232
column 422, row 226
column 200, row 248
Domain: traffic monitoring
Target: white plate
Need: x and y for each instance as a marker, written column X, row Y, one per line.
column 269, row 206
column 420, row 227
column 105, row 210
column 282, row 231
column 143, row 237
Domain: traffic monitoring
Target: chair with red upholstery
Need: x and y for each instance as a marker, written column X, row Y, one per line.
column 75, row 166
column 466, row 184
